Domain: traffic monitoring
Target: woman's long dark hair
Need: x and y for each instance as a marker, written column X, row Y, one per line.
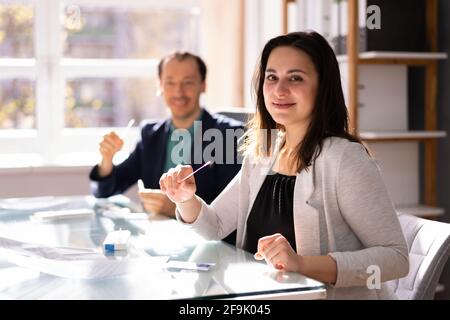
column 329, row 116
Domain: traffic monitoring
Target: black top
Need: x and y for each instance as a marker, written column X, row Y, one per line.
column 272, row 211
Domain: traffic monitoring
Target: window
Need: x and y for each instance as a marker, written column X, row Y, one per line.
column 71, row 69
column 17, row 98
column 17, row 88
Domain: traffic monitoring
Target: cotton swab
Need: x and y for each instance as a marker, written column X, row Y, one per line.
column 191, row 174
column 141, row 186
column 127, row 129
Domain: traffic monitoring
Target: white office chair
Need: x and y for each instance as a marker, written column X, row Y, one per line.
column 429, row 249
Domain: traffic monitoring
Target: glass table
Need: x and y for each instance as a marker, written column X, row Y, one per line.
column 235, row 275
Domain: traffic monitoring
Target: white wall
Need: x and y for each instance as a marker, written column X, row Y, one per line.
column 47, row 181
column 262, row 22
column 26, row 182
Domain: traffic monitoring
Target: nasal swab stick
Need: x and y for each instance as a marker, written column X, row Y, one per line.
column 140, row 184
column 191, row 174
column 129, row 125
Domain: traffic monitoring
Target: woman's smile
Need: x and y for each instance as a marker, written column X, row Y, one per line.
column 283, row 105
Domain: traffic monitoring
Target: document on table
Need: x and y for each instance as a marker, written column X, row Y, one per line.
column 32, row 204
column 55, row 215
column 78, row 263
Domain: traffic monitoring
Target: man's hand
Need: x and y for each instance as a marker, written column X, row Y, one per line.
column 109, row 146
column 154, row 200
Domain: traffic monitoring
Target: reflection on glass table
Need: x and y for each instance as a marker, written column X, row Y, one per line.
column 234, row 275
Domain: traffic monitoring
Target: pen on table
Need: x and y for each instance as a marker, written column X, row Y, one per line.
column 191, row 174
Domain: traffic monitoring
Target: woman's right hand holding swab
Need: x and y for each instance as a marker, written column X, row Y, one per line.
column 179, row 185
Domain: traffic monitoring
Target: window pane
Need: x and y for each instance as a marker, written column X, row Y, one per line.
column 111, row 102
column 16, row 31
column 123, row 33
column 17, row 104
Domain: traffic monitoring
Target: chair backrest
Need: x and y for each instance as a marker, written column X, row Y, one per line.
column 240, row 114
column 429, row 248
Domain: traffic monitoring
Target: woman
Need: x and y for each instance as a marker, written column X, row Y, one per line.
column 312, row 202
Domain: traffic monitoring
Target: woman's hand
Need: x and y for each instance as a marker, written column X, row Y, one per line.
column 278, row 253
column 172, row 185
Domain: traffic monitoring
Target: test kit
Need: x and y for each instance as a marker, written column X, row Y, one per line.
column 117, row 240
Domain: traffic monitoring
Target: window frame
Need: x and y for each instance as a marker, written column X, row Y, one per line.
column 50, row 143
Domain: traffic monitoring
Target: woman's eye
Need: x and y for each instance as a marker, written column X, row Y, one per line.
column 296, row 78
column 271, row 77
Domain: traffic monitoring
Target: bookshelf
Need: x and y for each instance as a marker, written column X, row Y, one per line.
column 358, row 63
column 375, row 84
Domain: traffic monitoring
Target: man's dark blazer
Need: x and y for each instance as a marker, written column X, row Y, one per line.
column 146, row 162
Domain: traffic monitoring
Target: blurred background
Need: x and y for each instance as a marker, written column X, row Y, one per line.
column 71, row 70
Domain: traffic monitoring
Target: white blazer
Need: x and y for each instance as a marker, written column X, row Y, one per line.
column 341, row 208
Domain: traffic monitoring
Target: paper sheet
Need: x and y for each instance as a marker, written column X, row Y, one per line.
column 32, row 204
column 78, row 263
column 55, row 215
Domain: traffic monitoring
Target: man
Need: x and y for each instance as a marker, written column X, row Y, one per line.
column 182, row 79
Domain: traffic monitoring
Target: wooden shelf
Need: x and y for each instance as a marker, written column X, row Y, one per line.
column 420, row 211
column 392, row 136
column 394, row 57
column 429, row 61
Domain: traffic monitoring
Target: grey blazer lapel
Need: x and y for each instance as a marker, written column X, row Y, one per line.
column 306, row 217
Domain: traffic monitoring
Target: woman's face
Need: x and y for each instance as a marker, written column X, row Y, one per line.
column 290, row 86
